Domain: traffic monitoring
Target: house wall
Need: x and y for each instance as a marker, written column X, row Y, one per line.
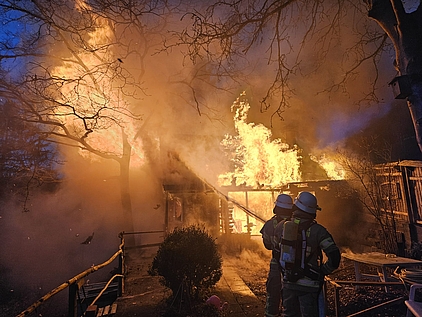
column 193, row 208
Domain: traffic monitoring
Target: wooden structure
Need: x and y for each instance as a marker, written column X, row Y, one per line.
column 75, row 283
column 411, row 180
column 401, row 184
column 241, row 209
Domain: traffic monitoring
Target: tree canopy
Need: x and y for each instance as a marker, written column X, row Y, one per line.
column 302, row 38
column 85, row 73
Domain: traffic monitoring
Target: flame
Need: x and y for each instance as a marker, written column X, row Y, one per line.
column 87, row 87
column 333, row 169
column 258, row 160
column 261, row 202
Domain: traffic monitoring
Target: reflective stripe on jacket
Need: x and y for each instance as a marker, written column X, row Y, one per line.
column 270, row 238
column 317, row 239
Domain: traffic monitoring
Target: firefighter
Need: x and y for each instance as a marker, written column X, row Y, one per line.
column 301, row 292
column 282, row 211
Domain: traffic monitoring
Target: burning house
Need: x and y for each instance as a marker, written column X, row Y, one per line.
column 379, row 211
column 243, row 209
column 393, row 214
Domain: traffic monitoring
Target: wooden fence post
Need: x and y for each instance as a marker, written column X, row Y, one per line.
column 73, row 289
column 121, row 285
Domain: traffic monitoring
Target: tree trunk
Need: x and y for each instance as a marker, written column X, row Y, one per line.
column 404, row 30
column 125, row 184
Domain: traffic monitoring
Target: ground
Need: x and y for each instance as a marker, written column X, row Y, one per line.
column 252, row 267
column 351, row 300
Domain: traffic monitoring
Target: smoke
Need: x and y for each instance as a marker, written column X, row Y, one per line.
column 182, row 111
column 44, row 244
column 42, row 248
column 324, row 107
column 330, row 100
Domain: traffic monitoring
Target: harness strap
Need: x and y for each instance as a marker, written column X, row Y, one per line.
column 304, row 229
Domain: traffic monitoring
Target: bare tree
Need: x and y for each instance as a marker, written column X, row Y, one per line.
column 404, row 29
column 375, row 187
column 27, row 160
column 82, row 69
column 61, row 70
column 229, row 33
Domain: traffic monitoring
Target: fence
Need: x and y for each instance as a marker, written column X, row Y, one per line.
column 76, row 282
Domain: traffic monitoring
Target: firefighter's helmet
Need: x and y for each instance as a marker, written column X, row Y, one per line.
column 307, row 202
column 284, row 201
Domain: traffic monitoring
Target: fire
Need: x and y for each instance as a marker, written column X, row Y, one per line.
column 88, row 90
column 258, row 160
column 261, row 163
column 261, row 202
column 333, row 169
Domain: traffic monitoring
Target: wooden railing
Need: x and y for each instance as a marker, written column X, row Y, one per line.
column 76, row 282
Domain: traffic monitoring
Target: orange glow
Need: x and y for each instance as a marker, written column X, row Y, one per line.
column 259, row 161
column 333, row 169
column 261, row 202
column 88, row 89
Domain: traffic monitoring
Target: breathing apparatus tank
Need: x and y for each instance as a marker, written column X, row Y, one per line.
column 288, row 243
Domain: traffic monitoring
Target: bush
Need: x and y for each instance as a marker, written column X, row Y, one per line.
column 416, row 251
column 188, row 261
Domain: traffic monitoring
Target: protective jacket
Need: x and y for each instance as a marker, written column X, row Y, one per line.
column 317, row 239
column 270, row 237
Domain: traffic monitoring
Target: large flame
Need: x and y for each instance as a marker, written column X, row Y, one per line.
column 258, row 160
column 88, row 89
column 333, row 169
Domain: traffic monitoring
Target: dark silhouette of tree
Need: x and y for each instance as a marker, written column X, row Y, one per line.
column 404, row 29
column 81, row 69
column 27, row 160
column 371, row 180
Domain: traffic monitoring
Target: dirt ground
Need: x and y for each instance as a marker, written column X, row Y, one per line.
column 147, row 297
column 251, row 270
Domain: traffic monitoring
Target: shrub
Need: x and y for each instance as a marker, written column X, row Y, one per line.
column 188, row 261
column 416, row 251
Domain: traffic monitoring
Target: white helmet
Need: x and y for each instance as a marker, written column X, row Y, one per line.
column 307, row 202
column 284, row 201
